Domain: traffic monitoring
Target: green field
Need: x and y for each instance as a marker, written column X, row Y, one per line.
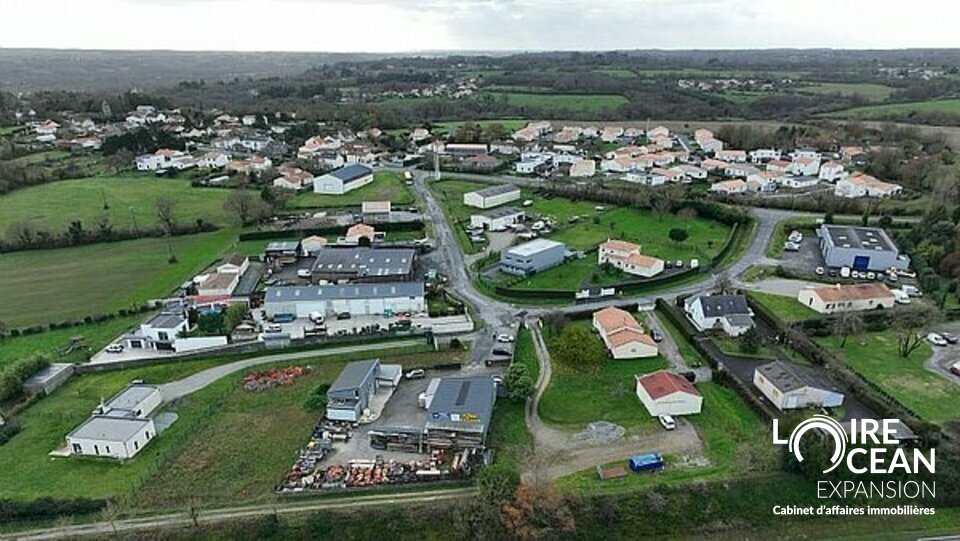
column 386, row 186
column 450, row 194
column 223, row 446
column 561, row 103
column 95, row 336
column 789, row 309
column 869, row 91
column 874, row 355
column 621, row 73
column 949, row 106
column 509, row 124
column 41, row 157
column 53, row 206
column 41, row 286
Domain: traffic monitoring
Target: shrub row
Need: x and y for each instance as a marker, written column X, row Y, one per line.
column 43, row 240
column 47, row 508
column 87, row 320
column 327, row 230
column 17, row 372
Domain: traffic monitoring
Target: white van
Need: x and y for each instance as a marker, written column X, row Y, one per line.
column 900, row 297
column 316, row 317
column 845, row 272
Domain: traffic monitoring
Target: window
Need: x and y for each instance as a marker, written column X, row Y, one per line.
column 108, row 449
column 96, row 450
column 162, row 336
column 136, row 446
column 77, row 449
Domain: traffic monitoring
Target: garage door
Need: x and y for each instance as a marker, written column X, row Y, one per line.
column 861, row 262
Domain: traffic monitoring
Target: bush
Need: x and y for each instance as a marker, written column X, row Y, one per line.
column 47, row 508
column 317, row 399
column 519, row 382
column 12, row 378
column 8, row 431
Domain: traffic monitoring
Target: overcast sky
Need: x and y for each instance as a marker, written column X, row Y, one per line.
column 417, row 25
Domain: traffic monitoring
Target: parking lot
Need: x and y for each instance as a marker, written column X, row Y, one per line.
column 808, row 259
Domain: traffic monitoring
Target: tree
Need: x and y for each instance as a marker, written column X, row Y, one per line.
column 538, row 514
column 234, row 315
column 166, row 207
column 245, row 206
column 723, row 284
column 576, row 348
column 519, row 382
column 846, row 324
column 750, row 341
column 909, row 323
column 678, row 234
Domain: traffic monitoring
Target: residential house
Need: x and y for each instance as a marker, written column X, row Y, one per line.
column 659, row 131
column 666, row 393
column 731, row 313
column 691, row 172
column 863, row 185
column 729, row 187
column 831, row 172
column 764, row 155
column 120, row 427
column 778, row 166
column 791, row 386
column 622, row 335
column 762, row 182
column 358, row 232
column 804, row 166
column 582, row 168
column 732, row 156
column 293, row 178
column 847, row 298
column 626, row 256
column 213, row 160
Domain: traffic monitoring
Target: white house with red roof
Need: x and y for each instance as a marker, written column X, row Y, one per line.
column 665, row 393
column 622, row 334
column 626, row 256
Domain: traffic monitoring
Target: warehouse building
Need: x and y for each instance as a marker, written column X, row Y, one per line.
column 356, row 299
column 363, row 264
column 791, row 386
column 349, row 396
column 343, row 180
column 497, row 219
column 492, row 196
column 860, row 248
column 459, row 413
column 532, row 257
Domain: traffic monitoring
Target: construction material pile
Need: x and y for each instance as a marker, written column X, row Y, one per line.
column 365, row 473
column 260, row 380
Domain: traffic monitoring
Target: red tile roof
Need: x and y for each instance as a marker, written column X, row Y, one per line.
column 663, row 383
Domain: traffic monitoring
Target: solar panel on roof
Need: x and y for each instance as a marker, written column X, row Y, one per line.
column 462, row 395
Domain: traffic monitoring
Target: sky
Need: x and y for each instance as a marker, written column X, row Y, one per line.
column 394, row 26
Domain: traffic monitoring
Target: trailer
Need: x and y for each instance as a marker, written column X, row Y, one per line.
column 647, row 462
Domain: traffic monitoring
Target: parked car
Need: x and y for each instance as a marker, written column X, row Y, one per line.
column 656, row 335
column 283, row 318
column 316, row 317
column 871, row 276
column 504, row 338
column 832, row 273
column 791, row 246
column 936, row 339
column 273, row 327
column 667, row 422
column 417, row 373
column 795, row 237
column 679, row 264
column 955, row 368
column 304, row 273
column 668, row 264
column 892, row 276
column 820, row 271
column 913, row 291
column 694, row 263
column 950, row 337
column 115, row 348
column 343, row 315
column 845, row 272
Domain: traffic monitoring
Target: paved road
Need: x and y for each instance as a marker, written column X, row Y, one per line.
column 191, row 384
column 282, row 507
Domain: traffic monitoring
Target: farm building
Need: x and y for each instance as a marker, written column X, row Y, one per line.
column 665, row 393
column 343, row 180
column 532, row 257
column 791, row 386
column 350, row 393
column 728, row 312
column 492, row 196
column 120, row 427
column 364, row 264
column 356, row 299
column 860, row 248
column 460, row 412
column 623, row 335
column 497, row 219
column 847, row 298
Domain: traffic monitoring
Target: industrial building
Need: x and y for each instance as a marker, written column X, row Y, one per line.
column 355, row 299
column 791, row 386
column 343, row 180
column 120, row 427
column 349, row 396
column 460, row 412
column 497, row 219
column 363, row 264
column 492, row 196
column 532, row 257
column 860, row 248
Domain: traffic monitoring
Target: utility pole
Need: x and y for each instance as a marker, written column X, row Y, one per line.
column 133, row 217
column 103, row 197
column 436, row 166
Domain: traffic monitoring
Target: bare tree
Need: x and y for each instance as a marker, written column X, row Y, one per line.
column 109, row 514
column 723, row 283
column 846, row 324
column 245, row 206
column 166, row 206
column 909, row 323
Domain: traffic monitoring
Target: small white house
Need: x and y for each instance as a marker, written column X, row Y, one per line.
column 831, row 171
column 790, row 386
column 120, row 427
column 847, row 298
column 804, row 166
column 862, row 185
column 764, row 155
column 666, row 393
column 626, row 256
column 731, row 313
column 622, row 334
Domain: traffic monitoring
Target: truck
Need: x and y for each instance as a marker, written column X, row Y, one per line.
column 646, row 462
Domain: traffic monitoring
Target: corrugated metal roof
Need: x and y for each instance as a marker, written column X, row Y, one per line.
column 348, row 291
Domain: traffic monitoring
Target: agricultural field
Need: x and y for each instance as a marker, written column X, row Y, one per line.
column 55, row 343
column 41, row 286
column 560, row 103
column 874, row 355
column 386, row 186
column 122, row 199
column 223, row 446
column 617, row 72
column 948, row 106
column 509, row 124
column 789, row 309
column 869, row 91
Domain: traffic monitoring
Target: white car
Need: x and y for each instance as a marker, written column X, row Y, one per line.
column 791, row 246
column 871, row 276
column 820, row 271
column 795, row 236
column 304, row 273
column 115, row 348
column 694, row 263
column 316, row 317
column 667, row 422
column 936, row 339
column 504, row 338
column 273, row 327
column 844, row 272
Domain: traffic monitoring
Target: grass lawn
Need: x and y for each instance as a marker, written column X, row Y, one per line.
column 732, row 435
column 560, row 103
column 223, row 447
column 53, row 206
column 950, row 106
column 508, row 430
column 869, row 91
column 386, row 186
column 731, row 346
column 571, row 275
column 875, row 357
column 789, row 309
column 575, row 398
column 509, row 124
column 450, row 194
column 95, row 335
column 56, row 285
column 41, row 157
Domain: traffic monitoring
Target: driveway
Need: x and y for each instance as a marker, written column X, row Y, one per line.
column 777, row 286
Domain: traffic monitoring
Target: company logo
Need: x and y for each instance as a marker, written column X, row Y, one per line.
column 827, row 425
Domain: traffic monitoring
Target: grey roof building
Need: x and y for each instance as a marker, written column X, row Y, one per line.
column 165, row 320
column 364, row 264
column 350, row 393
column 731, row 313
column 860, row 248
column 115, row 429
column 460, row 412
column 344, row 292
column 532, row 257
column 352, row 173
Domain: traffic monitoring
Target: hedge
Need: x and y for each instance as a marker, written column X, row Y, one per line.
column 328, row 230
column 13, row 376
column 47, row 508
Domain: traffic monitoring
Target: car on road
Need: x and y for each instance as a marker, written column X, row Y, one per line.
column 667, row 422
column 304, row 273
column 343, row 315
column 936, row 339
column 417, row 373
column 950, row 337
column 115, row 348
column 656, row 335
column 820, row 271
column 955, row 369
column 504, row 338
